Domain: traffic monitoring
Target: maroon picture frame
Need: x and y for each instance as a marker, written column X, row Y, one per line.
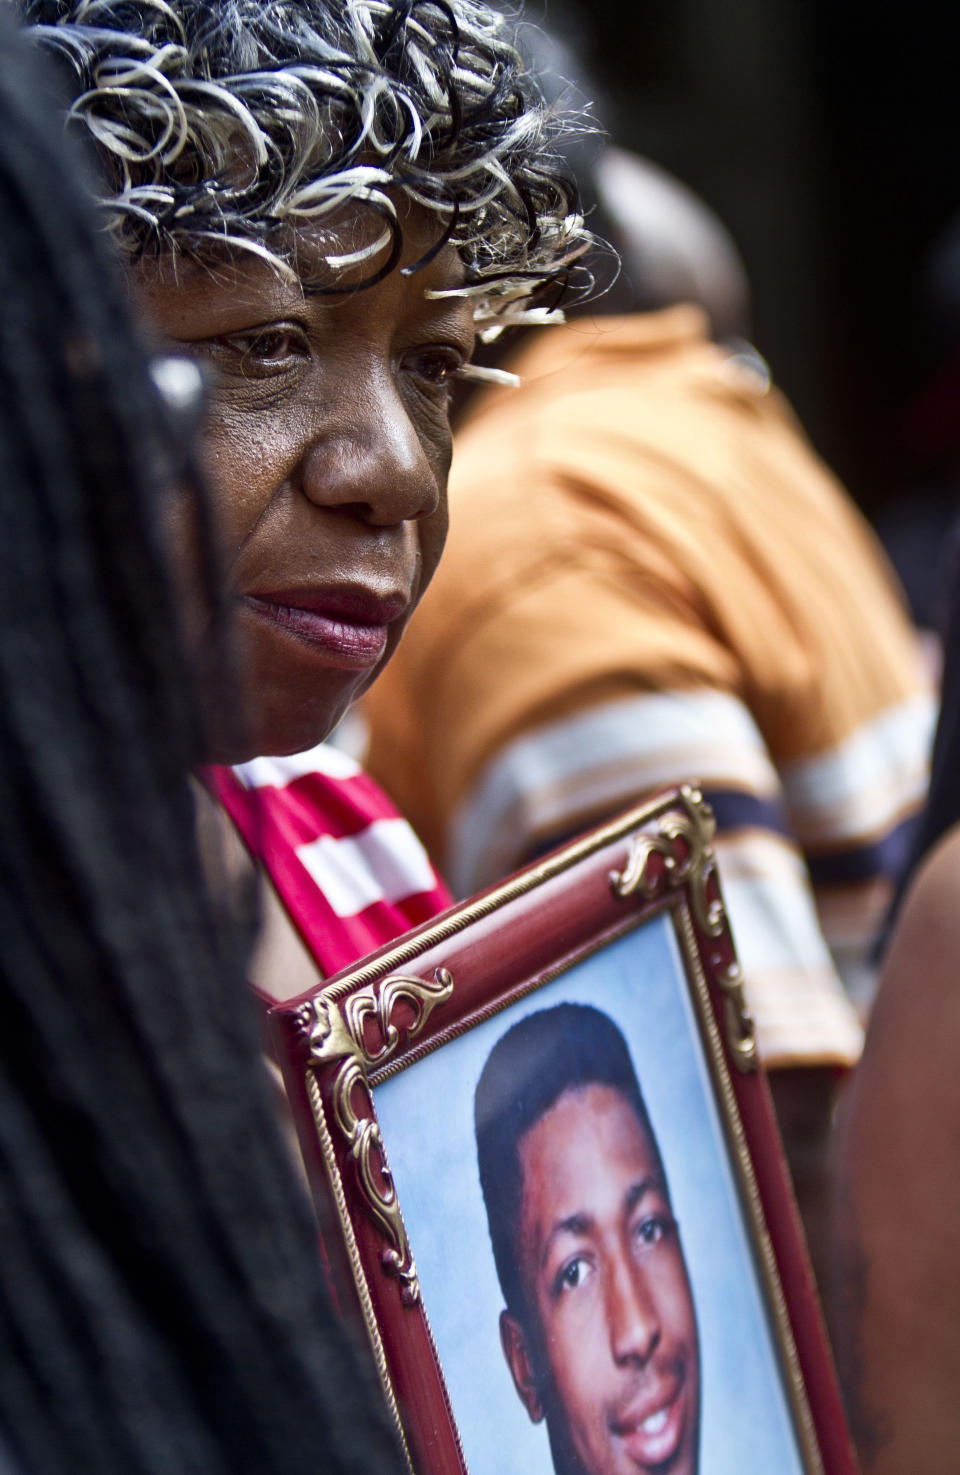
column 337, row 1043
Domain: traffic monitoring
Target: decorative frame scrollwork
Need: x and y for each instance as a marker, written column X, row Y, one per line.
column 680, row 854
column 683, row 844
column 337, row 1032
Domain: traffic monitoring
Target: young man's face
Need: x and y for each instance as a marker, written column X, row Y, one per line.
column 610, row 1355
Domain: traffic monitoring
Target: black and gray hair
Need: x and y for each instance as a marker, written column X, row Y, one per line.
column 229, row 125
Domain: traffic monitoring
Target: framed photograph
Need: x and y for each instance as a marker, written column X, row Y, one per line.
column 549, row 1180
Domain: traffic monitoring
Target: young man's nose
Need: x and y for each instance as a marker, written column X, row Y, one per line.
column 632, row 1318
column 372, row 463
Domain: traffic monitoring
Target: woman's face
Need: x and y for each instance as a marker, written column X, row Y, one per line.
column 327, row 447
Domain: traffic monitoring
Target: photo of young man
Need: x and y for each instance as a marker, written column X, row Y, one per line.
column 599, row 1329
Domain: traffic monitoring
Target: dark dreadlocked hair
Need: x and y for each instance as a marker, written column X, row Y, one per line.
column 227, row 123
column 162, row 1310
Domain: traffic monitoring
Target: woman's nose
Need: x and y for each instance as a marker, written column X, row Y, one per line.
column 368, row 459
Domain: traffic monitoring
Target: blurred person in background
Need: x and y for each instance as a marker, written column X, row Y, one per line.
column 651, row 577
column 161, row 1302
column 318, row 202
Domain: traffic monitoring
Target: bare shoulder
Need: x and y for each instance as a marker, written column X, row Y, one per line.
column 935, row 894
column 920, row 984
column 896, row 1272
column 906, row 1089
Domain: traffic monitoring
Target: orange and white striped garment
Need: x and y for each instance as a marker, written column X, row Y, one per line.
column 651, row 578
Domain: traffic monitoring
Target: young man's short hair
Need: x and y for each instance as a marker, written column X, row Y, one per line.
column 529, row 1068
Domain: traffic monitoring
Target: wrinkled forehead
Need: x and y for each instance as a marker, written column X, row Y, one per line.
column 359, row 242
column 340, row 258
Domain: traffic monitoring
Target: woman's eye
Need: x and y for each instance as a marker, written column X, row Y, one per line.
column 436, row 367
column 265, row 350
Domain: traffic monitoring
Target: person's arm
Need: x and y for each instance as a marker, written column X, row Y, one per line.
column 514, row 718
column 896, row 1293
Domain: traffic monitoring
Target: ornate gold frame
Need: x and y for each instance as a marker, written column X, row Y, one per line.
column 352, row 1033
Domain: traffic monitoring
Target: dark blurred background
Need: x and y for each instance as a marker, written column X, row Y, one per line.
column 824, row 133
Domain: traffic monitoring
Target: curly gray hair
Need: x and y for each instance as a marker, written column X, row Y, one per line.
column 221, row 122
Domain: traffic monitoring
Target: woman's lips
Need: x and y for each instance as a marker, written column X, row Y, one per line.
column 350, row 626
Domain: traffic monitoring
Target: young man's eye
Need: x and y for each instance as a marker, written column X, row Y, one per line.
column 653, row 1228
column 571, row 1275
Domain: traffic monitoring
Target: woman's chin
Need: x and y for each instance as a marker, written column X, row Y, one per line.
column 267, row 740
column 276, row 717
column 234, row 736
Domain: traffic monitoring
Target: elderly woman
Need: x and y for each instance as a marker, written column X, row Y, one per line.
column 320, row 202
column 161, row 1302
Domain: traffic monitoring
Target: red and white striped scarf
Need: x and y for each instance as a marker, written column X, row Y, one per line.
column 348, row 868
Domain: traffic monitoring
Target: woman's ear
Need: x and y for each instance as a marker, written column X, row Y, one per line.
column 516, row 1349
